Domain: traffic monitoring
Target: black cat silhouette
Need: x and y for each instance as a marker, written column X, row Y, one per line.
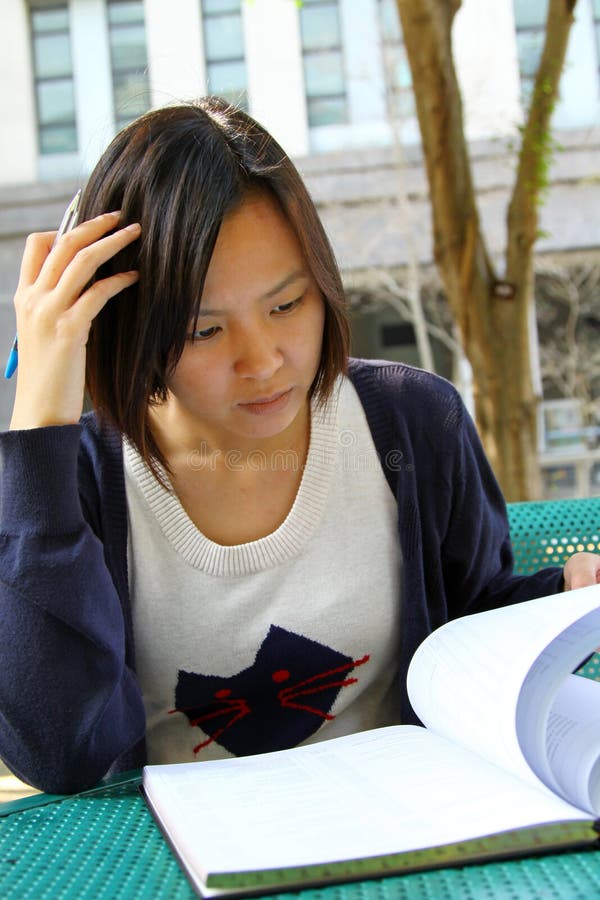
column 276, row 703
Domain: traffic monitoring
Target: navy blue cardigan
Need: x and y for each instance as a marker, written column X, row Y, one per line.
column 70, row 704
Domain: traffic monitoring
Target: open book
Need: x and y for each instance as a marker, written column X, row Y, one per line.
column 508, row 764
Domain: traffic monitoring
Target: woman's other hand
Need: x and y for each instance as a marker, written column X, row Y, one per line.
column 581, row 570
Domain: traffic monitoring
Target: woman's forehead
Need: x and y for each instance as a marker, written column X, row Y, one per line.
column 256, row 246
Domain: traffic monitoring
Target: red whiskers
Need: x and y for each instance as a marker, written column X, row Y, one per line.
column 287, row 695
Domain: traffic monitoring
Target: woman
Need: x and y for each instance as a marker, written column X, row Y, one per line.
column 227, row 507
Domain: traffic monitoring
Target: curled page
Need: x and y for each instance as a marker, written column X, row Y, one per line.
column 488, row 681
column 573, row 741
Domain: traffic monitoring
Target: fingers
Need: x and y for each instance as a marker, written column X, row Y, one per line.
column 97, row 296
column 87, row 260
column 45, row 264
column 42, row 258
column 37, row 248
column 53, row 277
column 86, row 247
column 582, row 570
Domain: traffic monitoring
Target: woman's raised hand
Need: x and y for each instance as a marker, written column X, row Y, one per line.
column 54, row 316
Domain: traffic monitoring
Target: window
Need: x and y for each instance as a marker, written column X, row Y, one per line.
column 224, row 50
column 127, row 40
column 530, row 22
column 562, row 426
column 398, row 79
column 53, row 75
column 596, row 9
column 323, row 62
column 398, row 335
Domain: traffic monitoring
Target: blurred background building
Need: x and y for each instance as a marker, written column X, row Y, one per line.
column 330, row 80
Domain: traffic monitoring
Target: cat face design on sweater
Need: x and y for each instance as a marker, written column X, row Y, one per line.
column 277, row 702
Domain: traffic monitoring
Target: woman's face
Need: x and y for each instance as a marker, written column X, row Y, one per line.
column 247, row 372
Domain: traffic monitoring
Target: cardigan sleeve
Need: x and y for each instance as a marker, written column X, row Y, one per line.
column 452, row 517
column 477, row 551
column 69, row 703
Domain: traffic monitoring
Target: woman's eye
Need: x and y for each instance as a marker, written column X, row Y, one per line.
column 284, row 308
column 204, row 334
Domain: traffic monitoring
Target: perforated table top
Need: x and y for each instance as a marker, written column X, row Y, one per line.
column 547, row 532
column 105, row 845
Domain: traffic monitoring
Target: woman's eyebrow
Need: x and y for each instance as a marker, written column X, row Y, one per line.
column 296, row 275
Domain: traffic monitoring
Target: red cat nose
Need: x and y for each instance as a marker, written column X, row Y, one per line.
column 220, row 695
column 280, row 675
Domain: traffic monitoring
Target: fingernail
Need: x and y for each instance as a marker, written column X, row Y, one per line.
column 115, row 213
column 135, row 226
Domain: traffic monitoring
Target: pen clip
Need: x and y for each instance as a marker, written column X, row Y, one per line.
column 70, row 216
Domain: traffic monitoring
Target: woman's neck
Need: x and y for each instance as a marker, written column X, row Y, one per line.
column 183, row 440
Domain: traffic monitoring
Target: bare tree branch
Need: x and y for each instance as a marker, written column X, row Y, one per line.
column 495, row 318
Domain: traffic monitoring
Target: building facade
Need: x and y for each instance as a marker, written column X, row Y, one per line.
column 330, row 80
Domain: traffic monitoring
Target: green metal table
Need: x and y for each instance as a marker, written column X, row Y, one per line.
column 104, row 844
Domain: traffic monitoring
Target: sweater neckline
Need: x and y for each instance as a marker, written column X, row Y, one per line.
column 267, row 552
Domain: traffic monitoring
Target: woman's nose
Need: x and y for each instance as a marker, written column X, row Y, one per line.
column 257, row 357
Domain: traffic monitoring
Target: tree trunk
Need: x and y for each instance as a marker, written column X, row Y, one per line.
column 495, row 317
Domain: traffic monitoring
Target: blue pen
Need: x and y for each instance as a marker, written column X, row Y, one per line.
column 68, row 221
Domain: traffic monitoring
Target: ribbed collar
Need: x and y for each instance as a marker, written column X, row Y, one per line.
column 267, row 552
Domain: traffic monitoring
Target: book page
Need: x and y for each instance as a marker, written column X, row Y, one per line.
column 466, row 681
column 573, row 741
column 545, row 695
column 378, row 792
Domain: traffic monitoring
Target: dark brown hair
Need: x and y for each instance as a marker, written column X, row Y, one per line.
column 179, row 171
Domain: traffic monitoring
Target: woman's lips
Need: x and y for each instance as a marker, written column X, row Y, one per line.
column 265, row 405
